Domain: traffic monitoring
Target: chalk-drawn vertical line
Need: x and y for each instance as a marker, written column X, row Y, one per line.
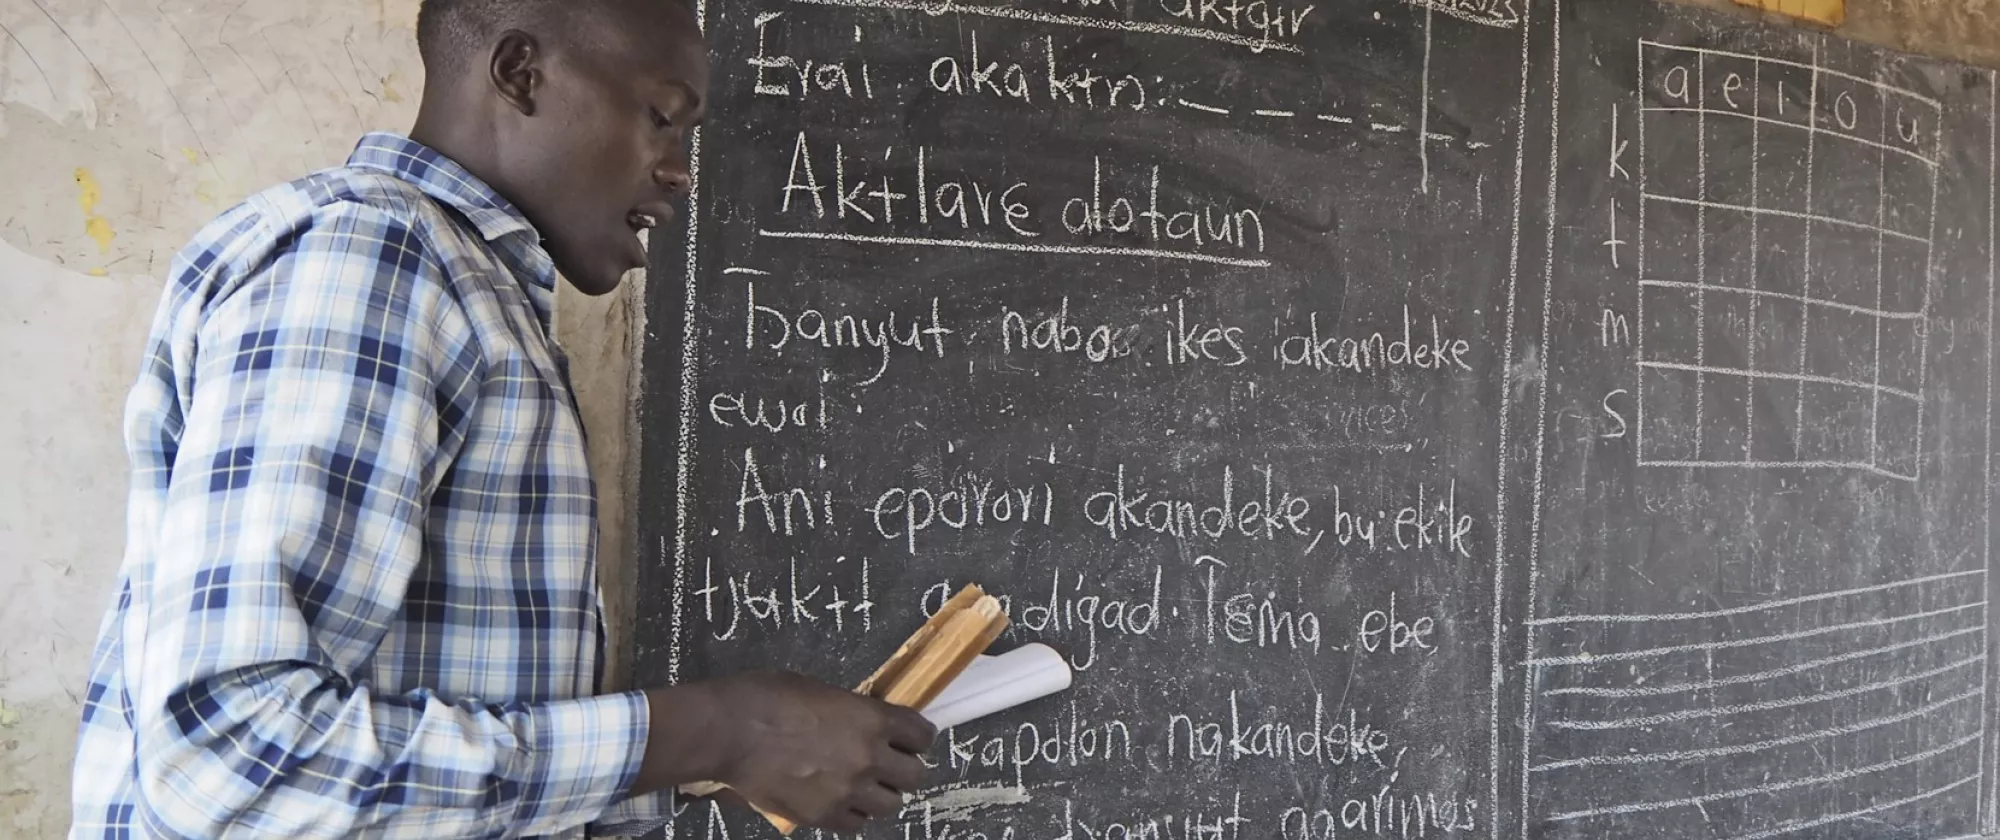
column 1806, row 268
column 1756, row 221
column 1531, row 678
column 1989, row 816
column 1881, row 242
column 1424, row 119
column 1504, row 454
column 690, row 367
column 1924, row 323
column 685, row 440
column 1701, row 252
column 1640, row 345
column 685, row 437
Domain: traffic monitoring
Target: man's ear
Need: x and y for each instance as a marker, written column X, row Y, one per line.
column 517, row 70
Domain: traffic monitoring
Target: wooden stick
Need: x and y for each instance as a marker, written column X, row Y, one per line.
column 962, row 639
column 891, row 668
column 920, row 669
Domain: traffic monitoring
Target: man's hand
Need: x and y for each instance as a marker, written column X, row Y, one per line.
column 819, row 755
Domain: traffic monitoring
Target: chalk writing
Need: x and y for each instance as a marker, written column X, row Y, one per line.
column 743, row 597
column 1280, row 734
column 1122, row 509
column 966, row 501
column 1371, row 352
column 767, row 327
column 789, row 76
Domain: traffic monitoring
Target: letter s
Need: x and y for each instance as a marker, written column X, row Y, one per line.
column 1613, row 413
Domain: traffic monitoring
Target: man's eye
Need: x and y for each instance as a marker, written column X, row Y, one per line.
column 660, row 120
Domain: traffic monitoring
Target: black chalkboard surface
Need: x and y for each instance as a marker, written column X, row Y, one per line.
column 1465, row 418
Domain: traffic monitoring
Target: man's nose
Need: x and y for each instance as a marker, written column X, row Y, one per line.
column 672, row 173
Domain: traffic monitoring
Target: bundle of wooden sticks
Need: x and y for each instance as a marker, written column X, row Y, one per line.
column 924, row 666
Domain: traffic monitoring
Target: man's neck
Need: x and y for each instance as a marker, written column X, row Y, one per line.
column 466, row 138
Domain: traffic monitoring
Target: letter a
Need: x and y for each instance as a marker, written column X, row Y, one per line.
column 802, row 159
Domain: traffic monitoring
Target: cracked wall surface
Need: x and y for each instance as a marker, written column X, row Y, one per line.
column 124, row 126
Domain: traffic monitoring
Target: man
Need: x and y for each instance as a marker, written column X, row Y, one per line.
column 359, row 596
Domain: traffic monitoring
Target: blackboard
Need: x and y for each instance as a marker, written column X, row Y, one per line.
column 1467, row 418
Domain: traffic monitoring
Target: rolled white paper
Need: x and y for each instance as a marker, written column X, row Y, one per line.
column 993, row 683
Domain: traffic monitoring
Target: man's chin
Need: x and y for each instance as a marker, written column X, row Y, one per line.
column 596, row 284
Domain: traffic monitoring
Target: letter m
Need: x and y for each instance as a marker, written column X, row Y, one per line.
column 1614, row 329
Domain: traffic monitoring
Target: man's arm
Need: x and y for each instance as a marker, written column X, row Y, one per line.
column 294, row 519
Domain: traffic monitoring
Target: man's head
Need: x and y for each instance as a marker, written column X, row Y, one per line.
column 577, row 111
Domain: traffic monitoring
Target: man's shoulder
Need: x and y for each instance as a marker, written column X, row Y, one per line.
column 341, row 211
column 337, row 207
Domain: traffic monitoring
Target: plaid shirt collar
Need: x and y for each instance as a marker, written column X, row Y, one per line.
column 443, row 179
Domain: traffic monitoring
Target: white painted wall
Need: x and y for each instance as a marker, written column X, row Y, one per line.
column 125, row 125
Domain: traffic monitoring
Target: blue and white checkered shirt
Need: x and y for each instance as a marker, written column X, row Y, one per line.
column 359, row 595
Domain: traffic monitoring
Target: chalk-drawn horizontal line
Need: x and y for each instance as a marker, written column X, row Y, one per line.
column 1884, row 314
column 1780, row 465
column 1758, row 746
column 1012, row 13
column 1267, row 112
column 741, row 270
column 1451, row 10
column 1823, row 132
column 1800, row 65
column 1392, row 129
column 1020, row 247
column 1760, row 676
column 1773, row 787
column 1762, row 705
column 1758, row 607
column 1789, row 214
column 1336, row 118
column 1200, row 107
column 1620, row 656
column 1788, row 377
column 1801, row 825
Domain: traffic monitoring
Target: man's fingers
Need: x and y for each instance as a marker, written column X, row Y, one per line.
column 910, row 732
column 898, row 770
column 877, row 801
column 845, row 822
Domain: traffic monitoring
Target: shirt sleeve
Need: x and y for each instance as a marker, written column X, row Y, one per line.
column 637, row 816
column 294, row 520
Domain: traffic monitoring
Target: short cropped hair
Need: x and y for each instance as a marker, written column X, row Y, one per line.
column 451, row 33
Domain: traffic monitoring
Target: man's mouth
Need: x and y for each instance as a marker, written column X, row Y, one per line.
column 648, row 216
